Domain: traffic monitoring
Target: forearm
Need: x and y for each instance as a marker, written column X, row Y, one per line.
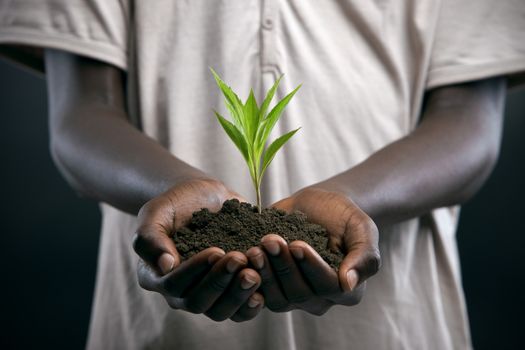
column 443, row 162
column 107, row 159
column 97, row 150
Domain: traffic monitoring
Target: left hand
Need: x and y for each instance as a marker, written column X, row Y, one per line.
column 294, row 276
column 212, row 283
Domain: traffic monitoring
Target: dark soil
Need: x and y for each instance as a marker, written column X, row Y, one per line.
column 238, row 226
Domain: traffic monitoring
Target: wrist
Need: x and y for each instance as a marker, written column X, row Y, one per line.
column 366, row 201
column 205, row 189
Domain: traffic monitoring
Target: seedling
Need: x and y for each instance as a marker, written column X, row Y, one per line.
column 251, row 128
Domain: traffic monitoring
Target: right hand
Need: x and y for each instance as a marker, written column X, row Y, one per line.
column 294, row 276
column 211, row 282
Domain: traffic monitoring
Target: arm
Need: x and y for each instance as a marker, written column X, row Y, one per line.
column 99, row 152
column 443, row 162
column 104, row 157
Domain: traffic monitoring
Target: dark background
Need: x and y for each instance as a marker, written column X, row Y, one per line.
column 50, row 236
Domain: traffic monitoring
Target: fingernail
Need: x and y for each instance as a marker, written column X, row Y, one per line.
column 258, row 261
column 166, row 263
column 298, row 253
column 272, row 247
column 247, row 282
column 352, row 277
column 233, row 265
column 253, row 303
column 212, row 259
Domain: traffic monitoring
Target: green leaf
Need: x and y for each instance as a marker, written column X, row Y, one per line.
column 273, row 148
column 252, row 126
column 251, row 113
column 268, row 98
column 233, row 103
column 237, row 119
column 236, row 136
column 269, row 122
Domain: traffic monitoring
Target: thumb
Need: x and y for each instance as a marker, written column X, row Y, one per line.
column 152, row 240
column 362, row 258
column 358, row 265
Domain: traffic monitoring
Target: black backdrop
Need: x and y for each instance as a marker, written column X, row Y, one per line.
column 50, row 236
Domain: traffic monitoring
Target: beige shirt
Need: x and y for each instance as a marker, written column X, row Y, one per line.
column 365, row 66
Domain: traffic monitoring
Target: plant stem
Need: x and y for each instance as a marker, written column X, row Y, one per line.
column 258, row 192
column 257, row 180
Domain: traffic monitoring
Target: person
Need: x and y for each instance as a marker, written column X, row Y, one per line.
column 401, row 115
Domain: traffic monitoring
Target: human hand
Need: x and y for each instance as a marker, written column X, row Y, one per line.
column 294, row 276
column 212, row 283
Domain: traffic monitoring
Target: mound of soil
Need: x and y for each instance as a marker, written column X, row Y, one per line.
column 238, row 226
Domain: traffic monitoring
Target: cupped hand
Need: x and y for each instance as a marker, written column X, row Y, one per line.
column 213, row 283
column 294, row 276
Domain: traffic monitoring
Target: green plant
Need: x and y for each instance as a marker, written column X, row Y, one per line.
column 251, row 128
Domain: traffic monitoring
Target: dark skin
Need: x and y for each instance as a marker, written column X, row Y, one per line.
column 442, row 162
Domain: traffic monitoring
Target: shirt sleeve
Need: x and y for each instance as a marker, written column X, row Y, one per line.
column 92, row 28
column 478, row 39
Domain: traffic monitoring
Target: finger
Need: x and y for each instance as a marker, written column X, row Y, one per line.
column 175, row 303
column 190, row 272
column 362, row 258
column 319, row 275
column 249, row 309
column 152, row 241
column 147, row 277
column 215, row 283
column 285, row 269
column 150, row 280
column 273, row 295
column 242, row 287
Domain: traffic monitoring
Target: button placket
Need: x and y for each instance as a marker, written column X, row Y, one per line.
column 268, row 35
column 267, row 23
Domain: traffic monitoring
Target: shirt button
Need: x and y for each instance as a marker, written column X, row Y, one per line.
column 268, row 23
